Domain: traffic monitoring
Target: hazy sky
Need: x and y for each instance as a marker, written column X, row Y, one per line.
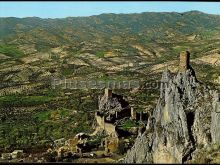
column 66, row 9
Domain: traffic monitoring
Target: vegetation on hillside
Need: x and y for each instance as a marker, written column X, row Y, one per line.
column 104, row 47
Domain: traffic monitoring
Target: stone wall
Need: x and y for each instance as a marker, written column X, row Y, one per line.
column 108, row 127
column 111, row 144
column 100, row 121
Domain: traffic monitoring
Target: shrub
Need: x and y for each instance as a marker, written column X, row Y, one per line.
column 10, row 51
column 100, row 54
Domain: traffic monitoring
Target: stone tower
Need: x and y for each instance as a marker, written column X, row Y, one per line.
column 108, row 92
column 133, row 114
column 184, row 61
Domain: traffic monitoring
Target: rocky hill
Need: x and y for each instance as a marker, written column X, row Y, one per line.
column 184, row 123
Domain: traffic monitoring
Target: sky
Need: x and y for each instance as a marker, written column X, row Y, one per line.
column 80, row 8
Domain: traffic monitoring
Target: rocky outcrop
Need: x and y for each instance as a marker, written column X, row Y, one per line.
column 186, row 117
column 215, row 122
column 113, row 107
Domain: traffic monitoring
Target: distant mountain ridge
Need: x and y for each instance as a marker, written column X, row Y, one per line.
column 148, row 25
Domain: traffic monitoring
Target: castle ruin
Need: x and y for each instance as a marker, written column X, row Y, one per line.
column 133, row 114
column 108, row 92
column 184, row 61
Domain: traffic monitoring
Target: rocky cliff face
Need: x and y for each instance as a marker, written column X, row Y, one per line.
column 186, row 119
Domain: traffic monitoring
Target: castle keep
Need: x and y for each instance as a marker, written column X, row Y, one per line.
column 184, row 61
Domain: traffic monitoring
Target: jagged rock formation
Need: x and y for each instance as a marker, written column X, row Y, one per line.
column 187, row 116
column 113, row 107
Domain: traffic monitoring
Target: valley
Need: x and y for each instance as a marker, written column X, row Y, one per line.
column 106, row 47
